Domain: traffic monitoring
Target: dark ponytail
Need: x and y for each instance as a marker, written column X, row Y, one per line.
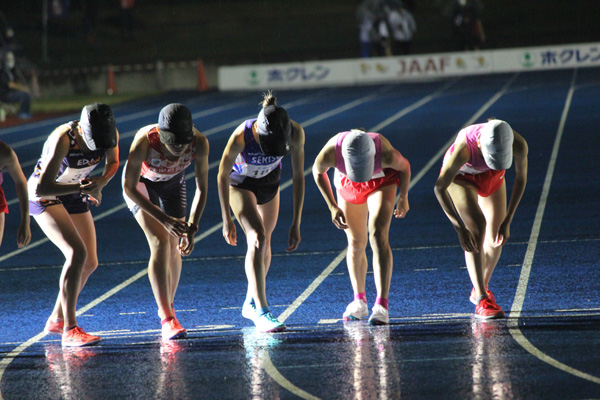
column 268, row 99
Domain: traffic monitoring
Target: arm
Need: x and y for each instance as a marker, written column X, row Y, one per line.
column 391, row 158
column 201, row 178
column 325, row 160
column 17, row 86
column 520, row 151
column 297, row 186
column 95, row 185
column 234, row 146
column 459, row 157
column 12, row 166
column 137, row 155
column 58, row 148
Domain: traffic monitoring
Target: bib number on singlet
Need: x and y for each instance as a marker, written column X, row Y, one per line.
column 74, row 175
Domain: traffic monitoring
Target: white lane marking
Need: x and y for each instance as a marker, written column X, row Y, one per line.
column 281, row 380
column 313, row 286
column 517, row 306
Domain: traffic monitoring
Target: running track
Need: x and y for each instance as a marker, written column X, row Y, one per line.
column 546, row 280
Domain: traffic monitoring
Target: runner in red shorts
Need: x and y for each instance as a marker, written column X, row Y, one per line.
column 368, row 171
column 10, row 163
column 472, row 192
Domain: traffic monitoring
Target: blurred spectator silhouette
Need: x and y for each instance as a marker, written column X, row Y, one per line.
column 11, row 90
column 368, row 13
column 7, row 36
column 467, row 24
column 386, row 27
column 402, row 24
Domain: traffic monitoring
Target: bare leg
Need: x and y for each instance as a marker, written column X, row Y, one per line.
column 84, row 223
column 357, row 236
column 162, row 245
column 381, row 208
column 244, row 206
column 2, row 217
column 60, row 229
column 465, row 200
column 494, row 209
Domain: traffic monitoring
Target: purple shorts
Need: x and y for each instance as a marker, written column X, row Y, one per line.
column 73, row 203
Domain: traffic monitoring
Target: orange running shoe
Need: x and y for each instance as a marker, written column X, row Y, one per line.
column 54, row 327
column 488, row 309
column 77, row 337
column 473, row 300
column 172, row 329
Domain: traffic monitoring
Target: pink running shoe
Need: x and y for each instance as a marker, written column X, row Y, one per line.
column 77, row 337
column 473, row 300
column 172, row 329
column 54, row 327
column 488, row 309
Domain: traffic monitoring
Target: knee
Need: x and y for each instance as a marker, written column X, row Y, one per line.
column 356, row 244
column 91, row 263
column 379, row 239
column 478, row 228
column 80, row 255
column 257, row 239
column 77, row 257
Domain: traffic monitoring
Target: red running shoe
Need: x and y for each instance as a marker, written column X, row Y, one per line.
column 488, row 309
column 77, row 337
column 172, row 329
column 473, row 300
column 54, row 327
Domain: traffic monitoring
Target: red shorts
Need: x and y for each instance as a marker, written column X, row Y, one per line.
column 357, row 193
column 486, row 183
column 3, row 205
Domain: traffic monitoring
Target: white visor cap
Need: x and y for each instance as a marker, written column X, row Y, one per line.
column 358, row 150
column 497, row 144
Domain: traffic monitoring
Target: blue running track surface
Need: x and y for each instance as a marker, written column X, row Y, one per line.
column 547, row 278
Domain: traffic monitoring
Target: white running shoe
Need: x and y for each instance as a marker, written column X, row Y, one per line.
column 249, row 311
column 380, row 315
column 356, row 310
column 268, row 323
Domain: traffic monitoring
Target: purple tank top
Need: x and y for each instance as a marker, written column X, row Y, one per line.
column 339, row 158
column 76, row 166
column 252, row 162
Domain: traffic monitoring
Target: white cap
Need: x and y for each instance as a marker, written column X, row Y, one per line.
column 497, row 144
column 358, row 150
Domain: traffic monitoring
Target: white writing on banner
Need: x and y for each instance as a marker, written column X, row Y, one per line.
column 382, row 69
column 285, row 75
column 551, row 57
column 404, row 68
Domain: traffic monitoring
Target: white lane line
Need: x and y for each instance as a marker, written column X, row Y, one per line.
column 7, row 359
column 313, row 286
column 281, row 380
column 517, row 306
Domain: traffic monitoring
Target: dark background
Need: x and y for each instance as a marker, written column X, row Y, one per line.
column 256, row 31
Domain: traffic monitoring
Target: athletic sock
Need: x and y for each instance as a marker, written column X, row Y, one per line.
column 164, row 321
column 263, row 311
column 362, row 296
column 383, row 302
